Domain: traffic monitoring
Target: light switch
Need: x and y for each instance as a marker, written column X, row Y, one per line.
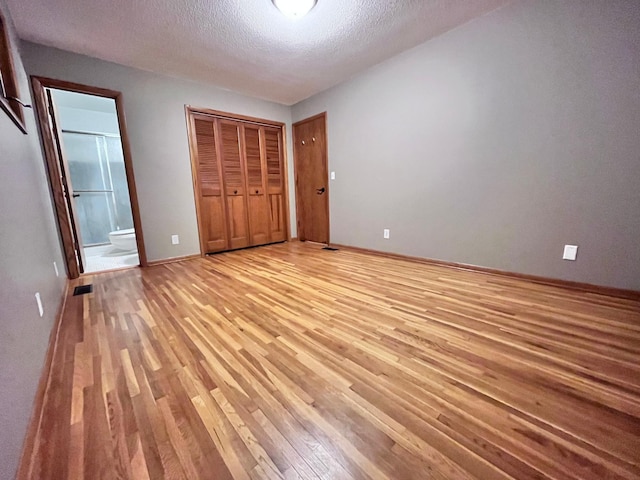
column 333, row 175
column 570, row 252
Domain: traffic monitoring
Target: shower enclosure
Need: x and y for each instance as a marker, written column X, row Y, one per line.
column 96, row 168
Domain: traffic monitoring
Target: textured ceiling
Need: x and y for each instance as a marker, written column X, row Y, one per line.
column 243, row 45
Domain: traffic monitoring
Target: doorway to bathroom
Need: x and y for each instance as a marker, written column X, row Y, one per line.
column 89, row 165
column 92, row 150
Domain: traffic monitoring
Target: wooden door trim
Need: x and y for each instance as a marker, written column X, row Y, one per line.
column 38, row 85
column 55, row 175
column 285, row 187
column 322, row 116
column 311, row 119
column 195, row 176
column 190, row 113
column 65, row 180
column 235, row 117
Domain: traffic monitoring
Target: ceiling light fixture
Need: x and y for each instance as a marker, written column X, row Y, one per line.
column 295, row 8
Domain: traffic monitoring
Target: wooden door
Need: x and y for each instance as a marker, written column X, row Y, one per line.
column 312, row 179
column 65, row 180
column 208, row 186
column 233, row 169
column 275, row 181
column 256, row 193
column 52, row 154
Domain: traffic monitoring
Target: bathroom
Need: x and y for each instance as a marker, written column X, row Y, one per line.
column 94, row 161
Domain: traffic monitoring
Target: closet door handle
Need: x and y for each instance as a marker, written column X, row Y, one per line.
column 257, row 192
column 75, row 195
column 235, row 192
column 320, row 191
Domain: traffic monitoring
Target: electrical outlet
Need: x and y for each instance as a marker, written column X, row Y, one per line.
column 333, row 175
column 39, row 302
column 55, row 268
column 570, row 252
column 385, row 233
column 175, row 239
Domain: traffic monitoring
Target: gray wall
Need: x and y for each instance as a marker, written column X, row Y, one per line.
column 154, row 108
column 29, row 244
column 497, row 143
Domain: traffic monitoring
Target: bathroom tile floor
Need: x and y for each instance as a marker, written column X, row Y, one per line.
column 107, row 257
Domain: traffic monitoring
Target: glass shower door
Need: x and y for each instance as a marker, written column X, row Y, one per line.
column 92, row 186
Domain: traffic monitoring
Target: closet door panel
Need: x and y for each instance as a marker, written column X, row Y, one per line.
column 257, row 198
column 209, row 187
column 234, row 183
column 276, row 218
column 214, row 224
column 238, row 232
column 259, row 219
column 275, row 183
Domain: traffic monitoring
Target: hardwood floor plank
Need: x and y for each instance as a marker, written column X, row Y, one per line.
column 291, row 362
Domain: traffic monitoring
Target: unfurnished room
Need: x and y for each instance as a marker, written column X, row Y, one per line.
column 320, row 239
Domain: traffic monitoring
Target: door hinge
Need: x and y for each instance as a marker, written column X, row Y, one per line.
column 50, row 117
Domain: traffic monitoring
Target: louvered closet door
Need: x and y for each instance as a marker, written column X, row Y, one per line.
column 256, row 194
column 275, row 183
column 234, row 183
column 209, row 187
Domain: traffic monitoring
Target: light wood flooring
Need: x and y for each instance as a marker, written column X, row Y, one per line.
column 290, row 361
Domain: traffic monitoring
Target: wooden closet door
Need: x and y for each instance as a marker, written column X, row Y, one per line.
column 256, row 195
column 275, row 183
column 208, row 186
column 234, row 183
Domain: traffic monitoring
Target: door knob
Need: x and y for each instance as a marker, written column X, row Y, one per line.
column 320, row 191
column 75, row 195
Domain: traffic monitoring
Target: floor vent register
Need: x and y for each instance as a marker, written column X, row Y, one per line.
column 82, row 290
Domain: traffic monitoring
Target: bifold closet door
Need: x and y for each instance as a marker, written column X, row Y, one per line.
column 234, row 182
column 208, row 185
column 239, row 181
column 275, row 183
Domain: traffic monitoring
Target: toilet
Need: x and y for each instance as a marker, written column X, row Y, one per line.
column 124, row 239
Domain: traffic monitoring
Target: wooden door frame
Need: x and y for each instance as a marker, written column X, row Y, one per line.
column 189, row 111
column 63, row 164
column 38, row 85
column 323, row 116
